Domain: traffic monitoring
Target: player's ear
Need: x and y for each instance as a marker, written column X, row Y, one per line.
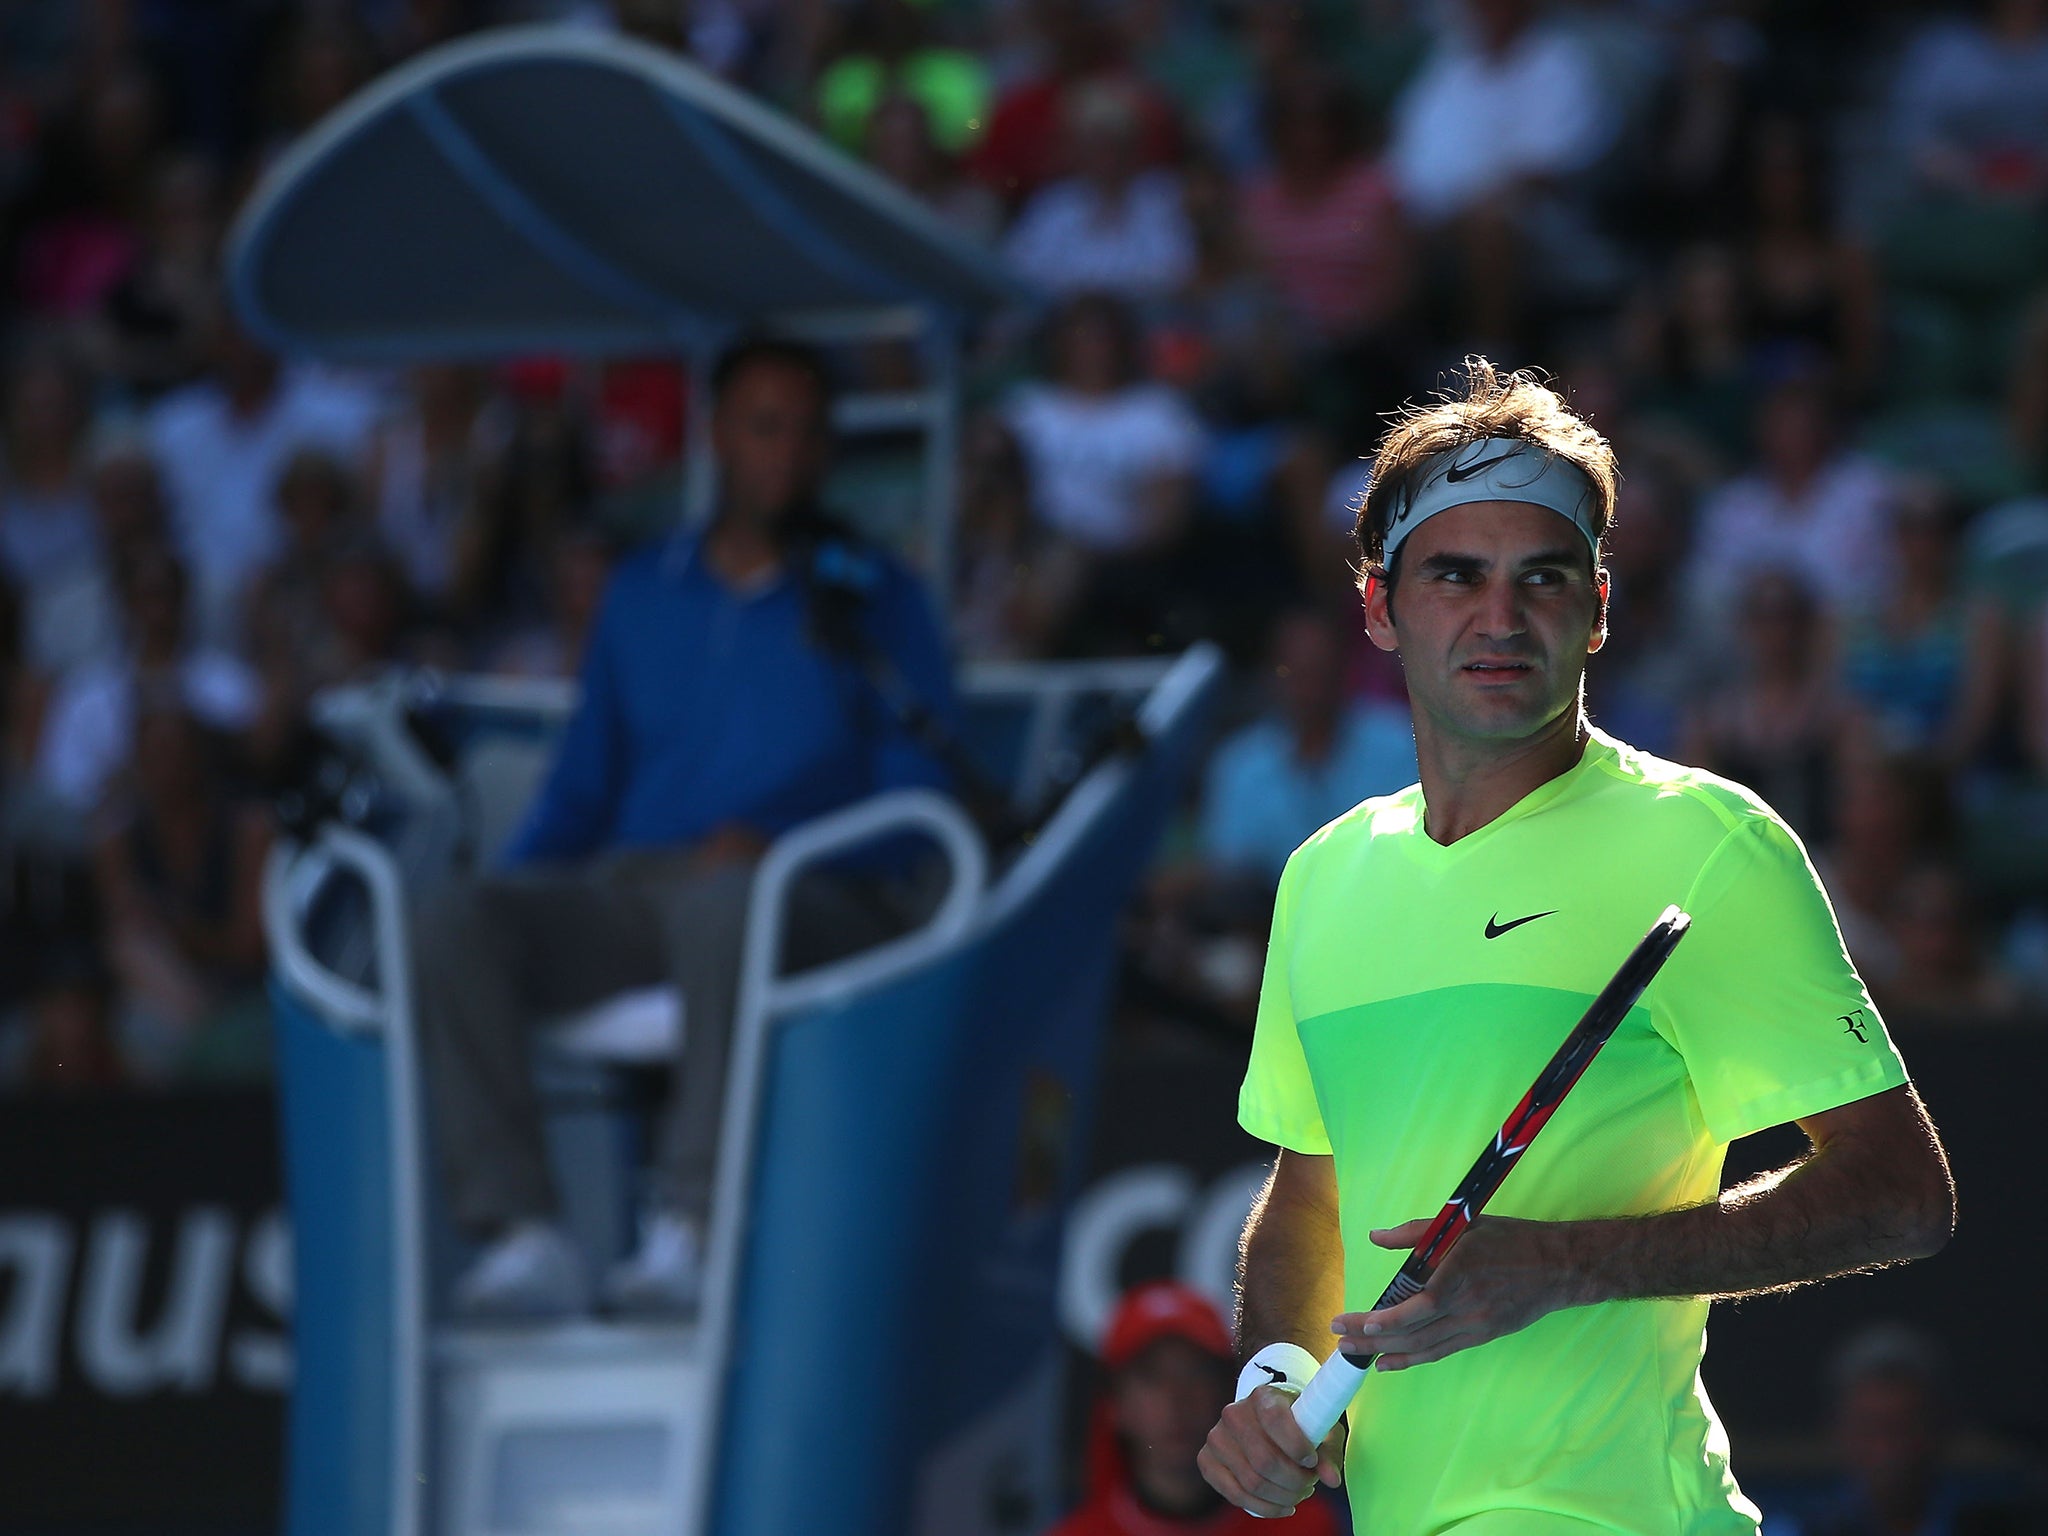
column 1602, row 583
column 1379, row 609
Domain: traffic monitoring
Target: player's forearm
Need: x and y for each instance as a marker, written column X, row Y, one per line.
column 1291, row 1266
column 1847, row 1206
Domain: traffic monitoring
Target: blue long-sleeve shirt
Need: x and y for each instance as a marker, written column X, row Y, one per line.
column 702, row 706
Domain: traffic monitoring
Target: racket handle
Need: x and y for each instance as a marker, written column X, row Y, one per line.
column 1287, row 1367
column 1330, row 1390
column 1328, row 1394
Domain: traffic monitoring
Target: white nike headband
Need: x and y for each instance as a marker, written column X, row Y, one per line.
column 1496, row 469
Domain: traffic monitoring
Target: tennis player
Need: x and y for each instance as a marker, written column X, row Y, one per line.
column 1429, row 952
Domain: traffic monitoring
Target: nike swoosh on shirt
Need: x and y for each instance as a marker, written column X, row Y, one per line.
column 1456, row 476
column 1495, row 927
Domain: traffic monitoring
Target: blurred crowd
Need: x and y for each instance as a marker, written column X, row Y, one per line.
column 1891, row 1455
column 1792, row 259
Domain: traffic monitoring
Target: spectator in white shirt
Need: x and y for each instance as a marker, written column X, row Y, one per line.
column 1508, row 102
column 46, row 526
column 1808, row 506
column 1114, row 227
column 221, row 444
column 1110, row 453
column 1110, row 457
column 78, row 610
column 1485, row 141
column 89, row 734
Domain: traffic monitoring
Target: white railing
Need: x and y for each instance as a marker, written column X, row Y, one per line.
column 385, row 1006
column 293, row 879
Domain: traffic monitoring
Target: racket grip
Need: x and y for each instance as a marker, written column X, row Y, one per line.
column 1328, row 1394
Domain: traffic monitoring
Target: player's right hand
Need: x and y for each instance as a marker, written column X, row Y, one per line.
column 1258, row 1458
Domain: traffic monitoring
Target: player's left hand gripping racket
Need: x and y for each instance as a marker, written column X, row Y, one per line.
column 1330, row 1390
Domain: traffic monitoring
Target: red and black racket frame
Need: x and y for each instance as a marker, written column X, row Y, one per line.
column 1556, row 1080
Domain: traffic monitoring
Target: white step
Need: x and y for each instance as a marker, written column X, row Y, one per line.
column 570, row 1429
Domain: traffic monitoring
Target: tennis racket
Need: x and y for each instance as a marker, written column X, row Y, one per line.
column 1329, row 1392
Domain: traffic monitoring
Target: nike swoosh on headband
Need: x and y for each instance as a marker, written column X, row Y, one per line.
column 1496, row 469
column 1455, row 476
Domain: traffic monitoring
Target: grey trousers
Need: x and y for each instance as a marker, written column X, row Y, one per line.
column 496, row 955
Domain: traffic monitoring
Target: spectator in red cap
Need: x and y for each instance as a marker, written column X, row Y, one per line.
column 1168, row 1362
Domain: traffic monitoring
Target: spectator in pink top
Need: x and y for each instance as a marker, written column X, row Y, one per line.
column 81, row 219
column 1325, row 220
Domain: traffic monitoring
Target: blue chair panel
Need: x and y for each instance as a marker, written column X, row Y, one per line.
column 919, row 1147
column 336, row 1169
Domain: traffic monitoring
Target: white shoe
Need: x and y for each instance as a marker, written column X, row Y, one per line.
column 665, row 1272
column 532, row 1273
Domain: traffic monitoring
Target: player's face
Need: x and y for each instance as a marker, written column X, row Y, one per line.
column 1494, row 612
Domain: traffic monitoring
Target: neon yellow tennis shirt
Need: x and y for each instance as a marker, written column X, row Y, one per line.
column 1412, row 992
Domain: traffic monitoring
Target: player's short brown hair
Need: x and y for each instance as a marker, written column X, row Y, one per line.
column 1494, row 404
